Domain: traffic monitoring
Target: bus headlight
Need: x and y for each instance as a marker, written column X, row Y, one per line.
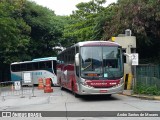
column 121, row 81
column 86, row 85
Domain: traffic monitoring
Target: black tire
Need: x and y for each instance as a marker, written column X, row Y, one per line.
column 109, row 95
column 75, row 95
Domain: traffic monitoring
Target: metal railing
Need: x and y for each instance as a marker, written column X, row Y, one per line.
column 15, row 88
column 148, row 75
column 148, row 79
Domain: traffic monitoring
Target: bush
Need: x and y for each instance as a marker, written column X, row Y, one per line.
column 147, row 90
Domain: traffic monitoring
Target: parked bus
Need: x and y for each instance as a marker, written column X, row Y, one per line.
column 39, row 68
column 91, row 68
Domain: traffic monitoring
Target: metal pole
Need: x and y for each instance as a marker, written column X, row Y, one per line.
column 33, row 86
column 133, row 68
column 22, row 90
column 3, row 99
column 33, row 91
column 135, row 81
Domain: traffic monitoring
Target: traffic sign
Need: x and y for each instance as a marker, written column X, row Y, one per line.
column 135, row 59
column 17, row 85
column 27, row 77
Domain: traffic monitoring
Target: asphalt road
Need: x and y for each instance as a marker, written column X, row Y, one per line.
column 64, row 101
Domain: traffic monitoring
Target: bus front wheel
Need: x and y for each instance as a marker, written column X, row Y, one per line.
column 109, row 95
column 75, row 95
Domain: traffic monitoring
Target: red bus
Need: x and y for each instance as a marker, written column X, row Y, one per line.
column 91, row 68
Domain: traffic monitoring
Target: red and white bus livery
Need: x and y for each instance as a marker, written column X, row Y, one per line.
column 91, row 67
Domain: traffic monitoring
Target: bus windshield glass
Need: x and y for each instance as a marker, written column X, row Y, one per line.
column 101, row 62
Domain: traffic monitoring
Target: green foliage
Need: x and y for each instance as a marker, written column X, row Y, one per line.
column 83, row 21
column 146, row 90
column 28, row 30
column 93, row 22
column 47, row 29
column 142, row 17
column 14, row 32
column 102, row 21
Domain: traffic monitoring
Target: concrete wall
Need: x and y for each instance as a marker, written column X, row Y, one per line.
column 127, row 42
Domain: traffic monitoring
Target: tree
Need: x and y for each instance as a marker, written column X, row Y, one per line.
column 14, row 32
column 46, row 29
column 103, row 20
column 84, row 20
column 142, row 17
column 28, row 31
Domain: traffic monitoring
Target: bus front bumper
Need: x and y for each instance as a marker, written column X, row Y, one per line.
column 85, row 90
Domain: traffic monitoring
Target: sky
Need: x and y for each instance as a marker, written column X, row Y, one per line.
column 64, row 7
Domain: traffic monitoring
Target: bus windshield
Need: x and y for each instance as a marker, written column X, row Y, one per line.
column 101, row 62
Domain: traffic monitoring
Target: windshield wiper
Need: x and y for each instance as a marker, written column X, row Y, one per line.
column 87, row 66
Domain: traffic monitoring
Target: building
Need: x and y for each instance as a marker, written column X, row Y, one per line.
column 128, row 44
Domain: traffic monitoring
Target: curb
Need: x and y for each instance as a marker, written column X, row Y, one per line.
column 145, row 97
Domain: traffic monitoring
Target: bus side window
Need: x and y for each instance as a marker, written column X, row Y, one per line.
column 77, row 67
column 13, row 68
column 35, row 66
column 23, row 67
column 66, row 57
column 18, row 68
column 41, row 65
column 72, row 54
column 48, row 64
column 29, row 66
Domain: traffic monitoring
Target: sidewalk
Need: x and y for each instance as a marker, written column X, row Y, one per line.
column 147, row 97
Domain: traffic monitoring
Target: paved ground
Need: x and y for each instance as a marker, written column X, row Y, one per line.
column 64, row 101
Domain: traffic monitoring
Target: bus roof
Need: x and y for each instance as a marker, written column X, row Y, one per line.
column 44, row 59
column 93, row 43
column 36, row 60
column 97, row 43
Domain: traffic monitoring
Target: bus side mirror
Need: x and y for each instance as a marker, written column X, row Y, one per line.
column 129, row 58
column 77, row 59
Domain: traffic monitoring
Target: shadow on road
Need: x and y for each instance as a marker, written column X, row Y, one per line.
column 91, row 98
column 98, row 98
